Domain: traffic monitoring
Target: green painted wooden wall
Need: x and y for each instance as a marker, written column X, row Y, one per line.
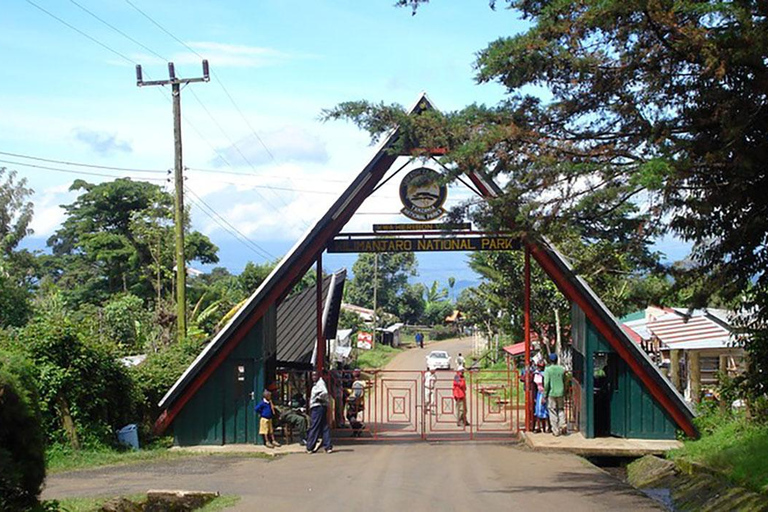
column 221, row 412
column 634, row 412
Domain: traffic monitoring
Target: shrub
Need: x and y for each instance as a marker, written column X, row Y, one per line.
column 155, row 376
column 441, row 333
column 81, row 383
column 22, row 450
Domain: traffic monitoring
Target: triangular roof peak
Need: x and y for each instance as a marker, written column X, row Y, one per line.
column 310, row 247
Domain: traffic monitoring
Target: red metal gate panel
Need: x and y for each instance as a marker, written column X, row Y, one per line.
column 398, row 406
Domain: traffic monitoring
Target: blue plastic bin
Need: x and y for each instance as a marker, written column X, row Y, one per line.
column 129, row 435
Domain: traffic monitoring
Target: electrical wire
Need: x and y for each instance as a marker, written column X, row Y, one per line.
column 77, row 172
column 250, row 242
column 79, row 164
column 226, row 92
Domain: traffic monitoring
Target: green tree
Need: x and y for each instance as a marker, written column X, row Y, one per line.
column 436, row 307
column 659, row 102
column 117, row 238
column 85, row 393
column 392, row 271
column 15, row 282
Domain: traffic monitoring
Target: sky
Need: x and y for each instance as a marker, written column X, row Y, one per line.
column 262, row 166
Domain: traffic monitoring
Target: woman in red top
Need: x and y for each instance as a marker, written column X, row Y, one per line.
column 460, row 398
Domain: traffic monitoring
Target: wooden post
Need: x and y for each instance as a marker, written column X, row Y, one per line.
column 723, row 374
column 674, row 369
column 694, row 375
column 320, row 362
column 527, row 322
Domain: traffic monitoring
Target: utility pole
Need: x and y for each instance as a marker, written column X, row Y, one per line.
column 178, row 179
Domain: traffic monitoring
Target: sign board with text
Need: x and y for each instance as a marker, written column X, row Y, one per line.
column 476, row 243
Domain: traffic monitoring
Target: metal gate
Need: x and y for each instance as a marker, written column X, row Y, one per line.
column 397, row 406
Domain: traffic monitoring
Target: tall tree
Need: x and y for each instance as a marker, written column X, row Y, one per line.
column 15, row 216
column 391, row 275
column 657, row 102
column 116, row 238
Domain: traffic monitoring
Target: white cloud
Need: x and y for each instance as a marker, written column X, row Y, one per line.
column 48, row 214
column 220, row 55
column 286, row 144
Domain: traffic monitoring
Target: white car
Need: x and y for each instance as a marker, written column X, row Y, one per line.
column 439, row 360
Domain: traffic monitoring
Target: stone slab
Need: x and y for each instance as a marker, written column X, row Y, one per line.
column 599, row 446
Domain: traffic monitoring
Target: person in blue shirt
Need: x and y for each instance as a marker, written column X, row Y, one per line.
column 266, row 410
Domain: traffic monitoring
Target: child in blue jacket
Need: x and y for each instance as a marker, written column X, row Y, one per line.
column 266, row 410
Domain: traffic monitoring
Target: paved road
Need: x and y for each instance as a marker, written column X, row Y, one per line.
column 375, row 476
column 415, row 358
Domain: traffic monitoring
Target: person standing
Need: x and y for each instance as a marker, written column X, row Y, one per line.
column 460, row 398
column 266, row 410
column 318, row 415
column 540, row 412
column 420, row 339
column 460, row 362
column 554, row 390
column 429, row 389
column 356, row 403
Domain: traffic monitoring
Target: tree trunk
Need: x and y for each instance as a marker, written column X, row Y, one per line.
column 67, row 422
column 558, row 338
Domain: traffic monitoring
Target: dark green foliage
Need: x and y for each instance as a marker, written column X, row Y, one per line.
column 155, row 376
column 410, row 303
column 441, row 332
column 655, row 103
column 15, row 305
column 76, row 374
column 118, row 238
column 22, row 448
column 350, row 320
column 391, row 273
column 126, row 323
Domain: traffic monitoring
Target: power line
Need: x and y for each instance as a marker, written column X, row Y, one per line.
column 234, row 173
column 81, row 173
column 227, row 230
column 249, row 241
column 108, row 48
column 226, row 91
column 155, row 171
column 79, row 164
column 150, row 50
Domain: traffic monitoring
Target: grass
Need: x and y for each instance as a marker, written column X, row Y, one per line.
column 377, row 357
column 60, row 459
column 734, row 447
column 90, row 503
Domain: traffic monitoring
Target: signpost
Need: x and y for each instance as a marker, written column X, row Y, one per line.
column 391, row 244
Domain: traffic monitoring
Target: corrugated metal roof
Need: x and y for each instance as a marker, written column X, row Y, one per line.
column 695, row 331
column 297, row 323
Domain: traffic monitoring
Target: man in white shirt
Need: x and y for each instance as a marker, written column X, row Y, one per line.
column 429, row 390
column 318, row 414
column 460, row 362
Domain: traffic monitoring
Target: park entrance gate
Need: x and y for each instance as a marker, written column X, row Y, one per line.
column 398, row 407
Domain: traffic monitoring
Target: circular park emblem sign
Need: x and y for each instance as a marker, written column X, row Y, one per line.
column 422, row 194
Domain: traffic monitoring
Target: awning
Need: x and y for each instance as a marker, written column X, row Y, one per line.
column 517, row 349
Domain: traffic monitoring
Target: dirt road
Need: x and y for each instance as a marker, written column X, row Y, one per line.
column 379, row 476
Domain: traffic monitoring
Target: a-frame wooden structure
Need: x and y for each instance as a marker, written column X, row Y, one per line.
column 664, row 401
